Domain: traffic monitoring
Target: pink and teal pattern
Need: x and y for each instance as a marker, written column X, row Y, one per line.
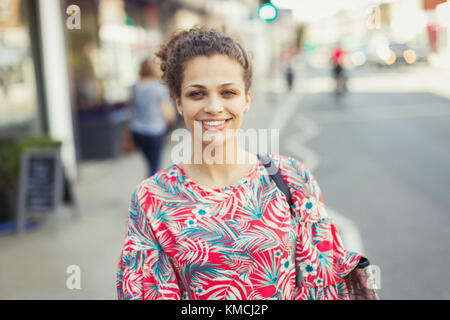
column 185, row 241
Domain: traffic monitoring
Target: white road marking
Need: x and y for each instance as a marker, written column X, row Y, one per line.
column 289, row 106
column 286, row 109
column 308, row 129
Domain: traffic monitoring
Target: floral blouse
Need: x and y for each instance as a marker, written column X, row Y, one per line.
column 185, row 241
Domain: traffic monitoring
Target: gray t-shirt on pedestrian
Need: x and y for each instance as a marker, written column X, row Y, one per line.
column 148, row 116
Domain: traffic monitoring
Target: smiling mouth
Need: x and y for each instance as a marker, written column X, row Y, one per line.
column 213, row 124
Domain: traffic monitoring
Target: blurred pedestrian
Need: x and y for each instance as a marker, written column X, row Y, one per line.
column 337, row 61
column 214, row 230
column 153, row 112
column 289, row 73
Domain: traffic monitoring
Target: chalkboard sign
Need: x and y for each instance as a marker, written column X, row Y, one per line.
column 40, row 187
column 41, row 184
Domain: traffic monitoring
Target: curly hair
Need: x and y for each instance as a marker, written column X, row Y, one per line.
column 187, row 44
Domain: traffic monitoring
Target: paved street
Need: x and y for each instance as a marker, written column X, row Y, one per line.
column 381, row 156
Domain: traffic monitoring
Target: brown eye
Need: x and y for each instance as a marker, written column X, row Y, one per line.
column 229, row 93
column 195, row 94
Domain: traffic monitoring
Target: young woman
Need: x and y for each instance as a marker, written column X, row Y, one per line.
column 212, row 230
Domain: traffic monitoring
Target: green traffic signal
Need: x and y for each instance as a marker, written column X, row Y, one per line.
column 267, row 12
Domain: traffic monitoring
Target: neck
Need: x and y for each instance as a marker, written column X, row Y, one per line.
column 220, row 166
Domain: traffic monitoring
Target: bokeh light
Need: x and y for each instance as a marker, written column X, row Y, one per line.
column 391, row 59
column 358, row 58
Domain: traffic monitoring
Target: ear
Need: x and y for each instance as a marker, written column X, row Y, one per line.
column 178, row 104
column 248, row 100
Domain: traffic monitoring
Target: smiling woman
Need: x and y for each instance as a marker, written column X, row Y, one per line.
column 225, row 230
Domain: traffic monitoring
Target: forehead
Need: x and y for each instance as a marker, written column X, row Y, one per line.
column 212, row 70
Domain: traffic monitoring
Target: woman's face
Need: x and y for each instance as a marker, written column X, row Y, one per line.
column 213, row 98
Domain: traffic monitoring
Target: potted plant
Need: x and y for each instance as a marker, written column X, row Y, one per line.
column 9, row 176
column 39, row 142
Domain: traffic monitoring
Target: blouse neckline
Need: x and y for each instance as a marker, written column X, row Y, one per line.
column 243, row 181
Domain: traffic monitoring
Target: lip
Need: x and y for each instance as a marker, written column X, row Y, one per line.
column 214, row 128
column 214, row 119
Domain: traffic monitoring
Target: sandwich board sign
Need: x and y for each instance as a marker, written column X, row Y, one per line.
column 40, row 185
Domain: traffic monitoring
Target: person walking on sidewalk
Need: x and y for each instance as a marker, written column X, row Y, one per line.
column 339, row 74
column 152, row 113
column 290, row 76
column 214, row 230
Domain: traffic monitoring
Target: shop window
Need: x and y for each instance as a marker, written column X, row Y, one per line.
column 18, row 96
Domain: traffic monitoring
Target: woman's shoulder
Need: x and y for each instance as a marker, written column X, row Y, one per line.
column 296, row 174
column 157, row 184
column 287, row 164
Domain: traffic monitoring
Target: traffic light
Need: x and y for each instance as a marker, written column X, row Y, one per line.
column 267, row 11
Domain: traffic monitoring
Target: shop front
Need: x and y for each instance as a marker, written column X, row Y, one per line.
column 104, row 57
column 35, row 107
column 21, row 110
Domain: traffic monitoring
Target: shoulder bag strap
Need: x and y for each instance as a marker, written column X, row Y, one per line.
column 275, row 174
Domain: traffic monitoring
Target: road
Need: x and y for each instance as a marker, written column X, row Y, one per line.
column 381, row 156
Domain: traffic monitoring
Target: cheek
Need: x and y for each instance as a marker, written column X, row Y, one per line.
column 190, row 109
column 236, row 106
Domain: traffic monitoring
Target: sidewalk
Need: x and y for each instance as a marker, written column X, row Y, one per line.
column 34, row 266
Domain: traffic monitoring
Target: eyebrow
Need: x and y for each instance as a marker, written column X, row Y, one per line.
column 203, row 87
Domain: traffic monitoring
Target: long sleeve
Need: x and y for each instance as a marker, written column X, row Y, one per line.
column 144, row 270
column 321, row 260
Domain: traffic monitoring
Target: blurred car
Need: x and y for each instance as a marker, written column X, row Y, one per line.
column 421, row 53
column 402, row 54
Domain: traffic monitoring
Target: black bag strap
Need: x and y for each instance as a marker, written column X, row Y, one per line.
column 275, row 174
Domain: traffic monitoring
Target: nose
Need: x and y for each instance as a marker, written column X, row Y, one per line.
column 215, row 104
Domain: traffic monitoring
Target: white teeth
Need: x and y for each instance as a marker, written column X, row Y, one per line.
column 214, row 123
